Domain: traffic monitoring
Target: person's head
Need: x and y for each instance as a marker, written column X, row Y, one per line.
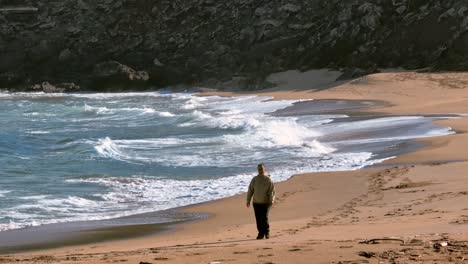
column 261, row 169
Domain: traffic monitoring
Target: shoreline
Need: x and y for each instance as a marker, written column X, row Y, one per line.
column 56, row 235
column 82, row 233
column 379, row 205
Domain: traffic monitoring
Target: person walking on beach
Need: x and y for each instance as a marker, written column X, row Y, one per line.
column 262, row 190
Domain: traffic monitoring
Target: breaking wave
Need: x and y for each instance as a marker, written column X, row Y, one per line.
column 110, row 155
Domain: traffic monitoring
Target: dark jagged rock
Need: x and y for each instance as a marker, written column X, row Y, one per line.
column 114, row 75
column 46, row 87
column 197, row 41
column 49, row 88
column 68, row 87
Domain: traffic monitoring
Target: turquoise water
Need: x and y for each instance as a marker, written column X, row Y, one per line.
column 78, row 157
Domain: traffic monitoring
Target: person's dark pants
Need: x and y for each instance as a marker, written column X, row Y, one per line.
column 261, row 215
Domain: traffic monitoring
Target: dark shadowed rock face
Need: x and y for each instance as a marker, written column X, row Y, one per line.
column 177, row 41
column 112, row 75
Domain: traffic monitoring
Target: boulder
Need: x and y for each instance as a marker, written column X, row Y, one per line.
column 115, row 70
column 112, row 74
column 68, row 87
column 141, row 76
column 49, row 88
column 46, row 87
column 36, row 87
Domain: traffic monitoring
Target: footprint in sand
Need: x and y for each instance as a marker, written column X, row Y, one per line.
column 241, row 252
column 345, row 246
column 463, row 219
column 195, row 254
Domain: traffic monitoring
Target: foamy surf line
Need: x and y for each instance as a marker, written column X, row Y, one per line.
column 149, row 190
column 217, row 139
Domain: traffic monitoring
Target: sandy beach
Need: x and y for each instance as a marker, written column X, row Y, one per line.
column 416, row 202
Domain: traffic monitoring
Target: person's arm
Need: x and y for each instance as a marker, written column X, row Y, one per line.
column 250, row 192
column 272, row 192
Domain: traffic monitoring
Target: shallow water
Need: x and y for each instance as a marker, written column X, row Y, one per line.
column 78, row 157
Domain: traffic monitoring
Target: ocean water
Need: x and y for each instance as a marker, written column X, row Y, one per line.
column 79, row 157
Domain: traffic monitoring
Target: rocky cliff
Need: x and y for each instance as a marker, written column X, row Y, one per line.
column 165, row 42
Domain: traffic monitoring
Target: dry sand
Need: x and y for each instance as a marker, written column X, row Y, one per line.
column 421, row 198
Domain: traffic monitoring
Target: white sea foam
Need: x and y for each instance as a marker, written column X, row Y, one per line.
column 3, row 192
column 17, row 224
column 144, row 110
column 34, row 197
column 260, row 129
column 160, row 194
column 107, row 148
column 103, row 110
column 224, row 121
column 165, row 114
column 32, row 114
column 38, row 132
column 218, row 132
column 285, row 133
column 96, row 110
column 194, row 102
column 9, row 95
column 145, row 194
column 148, row 110
column 243, row 113
column 100, row 96
column 201, row 115
column 247, row 104
column 319, row 147
column 190, row 153
column 39, row 114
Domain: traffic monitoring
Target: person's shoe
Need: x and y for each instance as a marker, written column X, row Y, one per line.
column 267, row 236
column 260, row 236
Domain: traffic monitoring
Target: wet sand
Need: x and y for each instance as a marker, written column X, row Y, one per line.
column 420, row 198
column 88, row 232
